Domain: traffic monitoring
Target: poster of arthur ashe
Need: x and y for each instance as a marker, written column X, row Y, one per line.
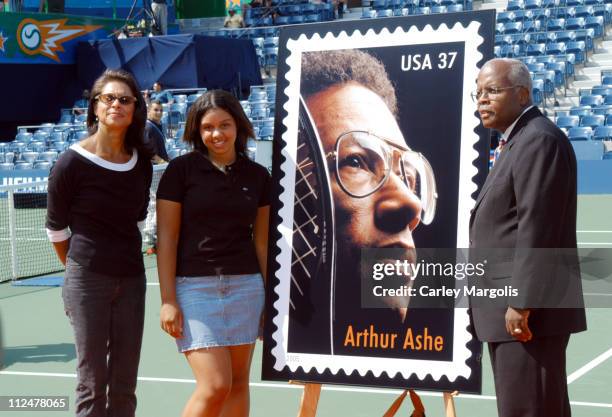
column 377, row 161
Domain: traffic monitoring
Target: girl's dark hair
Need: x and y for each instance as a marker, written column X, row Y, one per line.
column 217, row 99
column 134, row 138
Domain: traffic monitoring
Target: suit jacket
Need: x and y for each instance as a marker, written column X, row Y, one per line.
column 529, row 201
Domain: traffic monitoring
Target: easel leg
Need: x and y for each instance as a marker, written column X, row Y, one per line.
column 396, row 405
column 310, row 400
column 449, row 403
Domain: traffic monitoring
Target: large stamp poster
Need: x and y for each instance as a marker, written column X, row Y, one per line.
column 378, row 153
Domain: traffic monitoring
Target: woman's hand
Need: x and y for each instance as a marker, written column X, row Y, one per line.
column 171, row 319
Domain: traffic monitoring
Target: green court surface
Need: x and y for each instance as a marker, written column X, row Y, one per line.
column 39, row 356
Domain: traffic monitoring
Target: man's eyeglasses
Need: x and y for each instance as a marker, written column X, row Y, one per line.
column 491, row 92
column 109, row 99
column 364, row 161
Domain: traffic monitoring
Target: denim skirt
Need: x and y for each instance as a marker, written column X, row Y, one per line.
column 219, row 310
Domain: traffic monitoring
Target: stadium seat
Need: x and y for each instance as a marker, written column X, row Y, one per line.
column 604, row 110
column 257, row 42
column 537, row 92
column 24, row 137
column 606, row 80
column 42, row 165
column 385, row 13
column 565, row 36
column 533, row 4
column 567, row 122
column 368, row 14
column 588, row 151
column 580, row 133
column 427, row 10
column 555, row 24
column 23, row 165
column 453, row 8
column 522, row 15
column 591, row 100
column 513, row 27
column 296, row 19
column 607, row 155
column 9, row 157
column 536, row 49
column 536, row 66
column 581, row 111
column 281, row 20
column 509, row 51
column 532, row 26
column 173, row 153
column 60, row 146
column 574, row 2
column 542, row 15
column 266, row 133
column 565, row 12
column 7, row 166
column 49, row 156
column 505, row 17
column 587, row 36
column 515, row 5
column 312, row 18
column 602, row 133
column 29, row 156
column 555, row 48
column 597, row 24
column 601, row 90
column 560, row 72
column 438, row 9
column 575, row 23
column 584, row 11
column 592, row 121
column 258, row 94
column 578, row 48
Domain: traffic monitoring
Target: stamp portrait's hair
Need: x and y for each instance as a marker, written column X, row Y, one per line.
column 324, row 69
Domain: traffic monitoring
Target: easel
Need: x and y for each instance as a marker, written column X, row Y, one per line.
column 312, row 392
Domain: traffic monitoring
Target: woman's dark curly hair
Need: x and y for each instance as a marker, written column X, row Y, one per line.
column 217, row 99
column 134, row 138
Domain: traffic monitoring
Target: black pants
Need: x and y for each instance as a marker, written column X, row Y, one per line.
column 107, row 316
column 530, row 378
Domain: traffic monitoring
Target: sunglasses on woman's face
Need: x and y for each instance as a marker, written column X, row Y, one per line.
column 109, row 99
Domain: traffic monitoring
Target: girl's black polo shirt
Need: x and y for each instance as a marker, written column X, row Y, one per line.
column 217, row 213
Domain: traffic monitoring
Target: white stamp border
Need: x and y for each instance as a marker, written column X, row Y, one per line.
column 370, row 39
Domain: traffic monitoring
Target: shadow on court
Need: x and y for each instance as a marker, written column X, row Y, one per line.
column 60, row 352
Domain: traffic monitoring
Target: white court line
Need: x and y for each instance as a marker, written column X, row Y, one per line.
column 593, row 231
column 586, row 368
column 594, row 243
column 594, row 294
column 290, row 386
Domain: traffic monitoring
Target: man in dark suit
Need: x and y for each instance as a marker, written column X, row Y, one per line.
column 527, row 203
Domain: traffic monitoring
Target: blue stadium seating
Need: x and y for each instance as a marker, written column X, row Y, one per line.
column 588, row 151
column 602, row 133
column 592, row 121
column 567, row 122
column 580, row 133
column 591, row 100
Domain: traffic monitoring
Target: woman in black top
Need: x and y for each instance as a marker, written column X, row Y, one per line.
column 98, row 192
column 212, row 213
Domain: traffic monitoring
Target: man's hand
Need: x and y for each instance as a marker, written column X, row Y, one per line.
column 517, row 324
